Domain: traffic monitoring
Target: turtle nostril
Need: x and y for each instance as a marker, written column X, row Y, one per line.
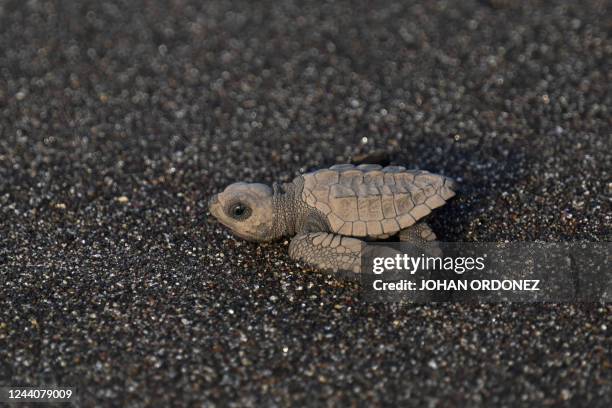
column 213, row 200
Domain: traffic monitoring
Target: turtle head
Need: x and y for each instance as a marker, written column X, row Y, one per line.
column 246, row 209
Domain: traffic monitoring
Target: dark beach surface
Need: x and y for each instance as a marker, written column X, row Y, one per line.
column 118, row 120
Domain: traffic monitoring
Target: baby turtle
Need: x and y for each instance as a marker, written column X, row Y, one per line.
column 331, row 212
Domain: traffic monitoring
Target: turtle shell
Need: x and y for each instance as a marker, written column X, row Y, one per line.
column 371, row 201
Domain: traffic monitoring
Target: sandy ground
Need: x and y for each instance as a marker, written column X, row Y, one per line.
column 118, row 120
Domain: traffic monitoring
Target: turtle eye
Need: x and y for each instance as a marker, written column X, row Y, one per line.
column 239, row 211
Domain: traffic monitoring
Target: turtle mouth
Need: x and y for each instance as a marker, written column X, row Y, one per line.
column 241, row 235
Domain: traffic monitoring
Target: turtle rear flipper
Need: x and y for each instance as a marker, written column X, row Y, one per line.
column 421, row 236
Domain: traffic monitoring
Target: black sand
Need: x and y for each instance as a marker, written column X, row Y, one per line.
column 119, row 120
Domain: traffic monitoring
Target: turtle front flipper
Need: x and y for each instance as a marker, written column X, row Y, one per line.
column 327, row 251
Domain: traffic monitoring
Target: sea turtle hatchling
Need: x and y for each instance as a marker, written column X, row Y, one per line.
column 330, row 213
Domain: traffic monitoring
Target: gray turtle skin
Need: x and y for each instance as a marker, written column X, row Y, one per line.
column 330, row 213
